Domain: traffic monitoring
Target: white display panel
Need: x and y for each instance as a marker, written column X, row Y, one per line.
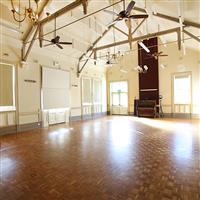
column 55, row 88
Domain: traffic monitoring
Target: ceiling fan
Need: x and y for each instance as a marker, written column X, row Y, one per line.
column 56, row 40
column 126, row 13
column 157, row 54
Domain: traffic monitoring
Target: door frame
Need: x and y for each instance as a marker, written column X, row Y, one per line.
column 109, row 93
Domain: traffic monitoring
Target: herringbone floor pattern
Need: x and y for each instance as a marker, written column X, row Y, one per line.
column 111, row 158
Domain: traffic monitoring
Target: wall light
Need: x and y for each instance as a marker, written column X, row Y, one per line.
column 143, row 69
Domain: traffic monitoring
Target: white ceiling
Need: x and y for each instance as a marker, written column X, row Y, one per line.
column 84, row 32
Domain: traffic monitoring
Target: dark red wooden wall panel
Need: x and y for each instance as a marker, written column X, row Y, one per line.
column 149, row 80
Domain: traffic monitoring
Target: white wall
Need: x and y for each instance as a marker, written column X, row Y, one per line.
column 28, row 94
column 177, row 62
column 127, row 62
column 174, row 63
column 75, row 95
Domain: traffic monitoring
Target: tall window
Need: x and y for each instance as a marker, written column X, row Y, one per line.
column 119, row 93
column 119, row 86
column 7, row 86
column 96, row 91
column 182, row 89
column 86, row 91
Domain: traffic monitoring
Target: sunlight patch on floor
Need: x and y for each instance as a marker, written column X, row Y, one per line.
column 165, row 125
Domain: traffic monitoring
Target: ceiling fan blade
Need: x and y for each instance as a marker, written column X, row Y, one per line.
column 130, row 7
column 67, row 43
column 110, row 12
column 163, row 55
column 46, row 45
column 58, row 45
column 138, row 16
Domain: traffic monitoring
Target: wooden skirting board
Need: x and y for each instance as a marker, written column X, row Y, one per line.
column 31, row 126
column 19, row 128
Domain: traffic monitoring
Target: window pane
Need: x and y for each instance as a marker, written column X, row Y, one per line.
column 124, row 99
column 121, row 86
column 182, row 93
column 115, row 99
column 6, row 85
column 115, row 86
column 86, row 90
column 97, row 91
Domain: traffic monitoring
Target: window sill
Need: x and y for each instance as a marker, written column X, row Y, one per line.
column 7, row 109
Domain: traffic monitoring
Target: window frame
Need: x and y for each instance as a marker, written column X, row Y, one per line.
column 181, row 74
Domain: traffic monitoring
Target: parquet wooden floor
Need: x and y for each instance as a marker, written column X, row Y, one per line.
column 110, row 158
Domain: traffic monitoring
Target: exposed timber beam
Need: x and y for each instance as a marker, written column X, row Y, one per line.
column 120, row 31
column 25, row 54
column 79, row 70
column 94, row 43
column 129, row 26
column 95, row 55
column 174, row 19
column 40, row 35
column 151, row 35
column 85, row 5
column 86, row 61
column 62, row 11
column 191, row 35
column 179, row 39
column 84, row 17
column 138, row 26
column 32, row 28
